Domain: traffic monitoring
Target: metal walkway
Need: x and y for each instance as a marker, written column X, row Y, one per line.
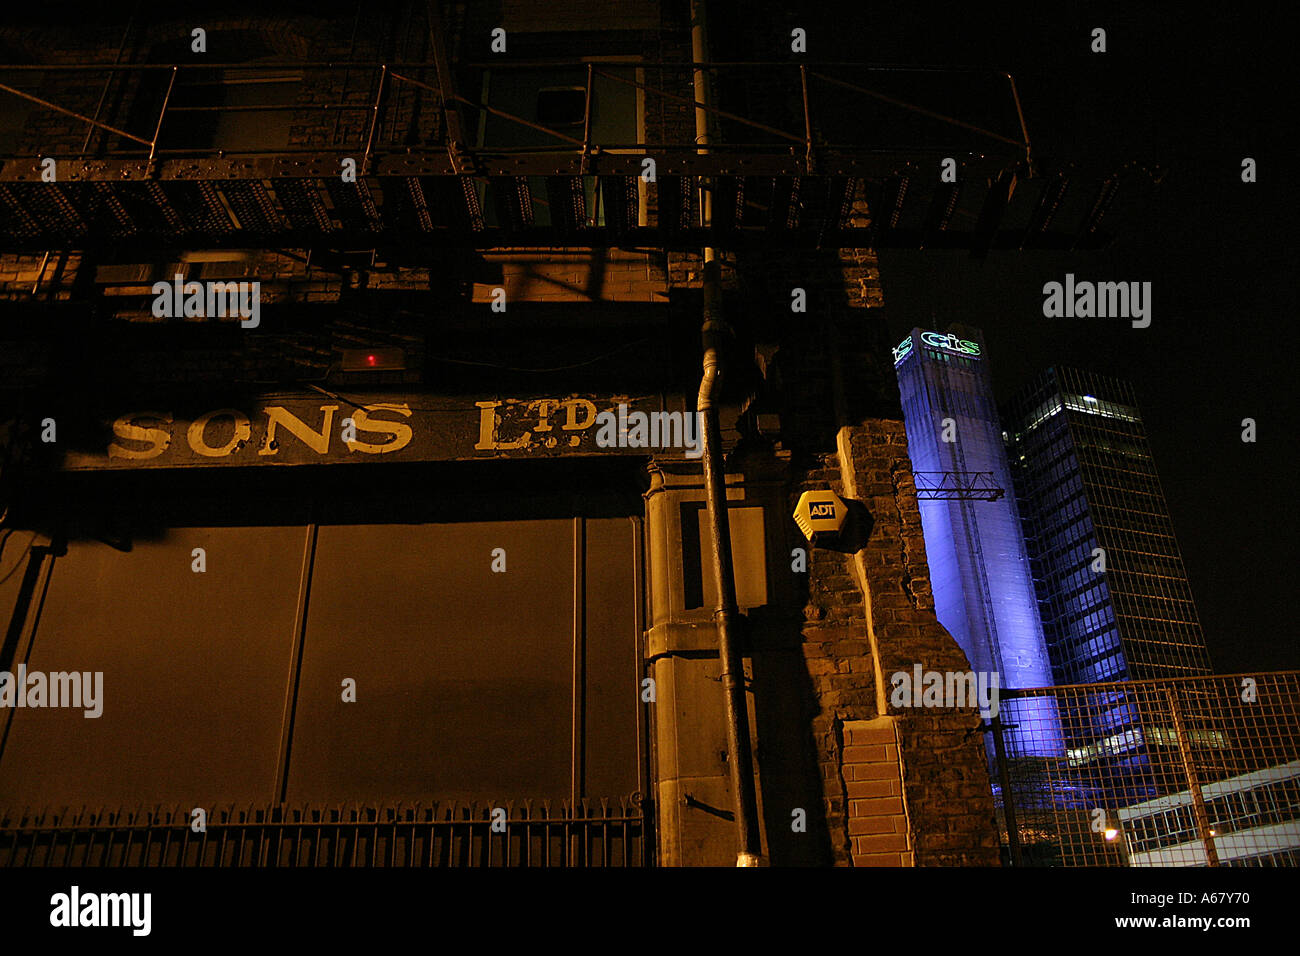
column 791, row 188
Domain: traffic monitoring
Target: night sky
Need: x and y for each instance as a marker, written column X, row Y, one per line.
column 1194, row 93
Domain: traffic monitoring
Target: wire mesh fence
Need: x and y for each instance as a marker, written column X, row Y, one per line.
column 1201, row 771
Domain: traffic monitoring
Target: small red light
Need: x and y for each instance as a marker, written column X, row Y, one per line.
column 372, row 360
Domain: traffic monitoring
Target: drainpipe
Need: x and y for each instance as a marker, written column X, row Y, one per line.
column 726, row 614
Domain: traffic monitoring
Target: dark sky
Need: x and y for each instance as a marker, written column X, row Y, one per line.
column 1194, row 92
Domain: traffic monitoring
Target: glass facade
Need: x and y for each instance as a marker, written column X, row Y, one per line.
column 979, row 569
column 1113, row 594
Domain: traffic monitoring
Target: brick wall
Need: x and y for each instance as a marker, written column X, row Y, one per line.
column 877, row 818
column 869, row 612
column 850, row 646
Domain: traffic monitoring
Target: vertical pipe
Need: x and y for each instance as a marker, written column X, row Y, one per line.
column 700, row 54
column 726, row 614
column 643, row 714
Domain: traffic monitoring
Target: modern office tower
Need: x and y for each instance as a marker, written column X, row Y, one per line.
column 1088, row 492
column 1113, row 598
column 979, row 570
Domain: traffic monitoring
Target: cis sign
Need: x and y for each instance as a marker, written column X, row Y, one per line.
column 937, row 340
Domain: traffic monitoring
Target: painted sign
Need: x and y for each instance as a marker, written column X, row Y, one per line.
column 318, row 429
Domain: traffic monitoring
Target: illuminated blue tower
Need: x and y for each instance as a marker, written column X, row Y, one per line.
column 979, row 569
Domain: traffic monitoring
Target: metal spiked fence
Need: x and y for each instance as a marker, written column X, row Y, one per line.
column 539, row 833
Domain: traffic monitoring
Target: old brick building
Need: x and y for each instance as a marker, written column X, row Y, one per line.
column 358, row 570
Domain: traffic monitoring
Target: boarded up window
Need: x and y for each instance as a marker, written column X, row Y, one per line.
column 470, row 683
column 193, row 666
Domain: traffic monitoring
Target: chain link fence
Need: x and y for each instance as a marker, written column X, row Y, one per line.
column 1200, row 771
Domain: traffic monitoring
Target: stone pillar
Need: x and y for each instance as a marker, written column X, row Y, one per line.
column 688, row 731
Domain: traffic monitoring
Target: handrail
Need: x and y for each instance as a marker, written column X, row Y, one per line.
column 390, row 73
column 916, row 109
column 507, row 65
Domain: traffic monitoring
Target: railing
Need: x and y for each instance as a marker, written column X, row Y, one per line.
column 598, row 833
column 825, row 101
column 1198, row 771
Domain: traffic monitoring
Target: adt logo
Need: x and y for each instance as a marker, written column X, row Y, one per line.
column 820, row 513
